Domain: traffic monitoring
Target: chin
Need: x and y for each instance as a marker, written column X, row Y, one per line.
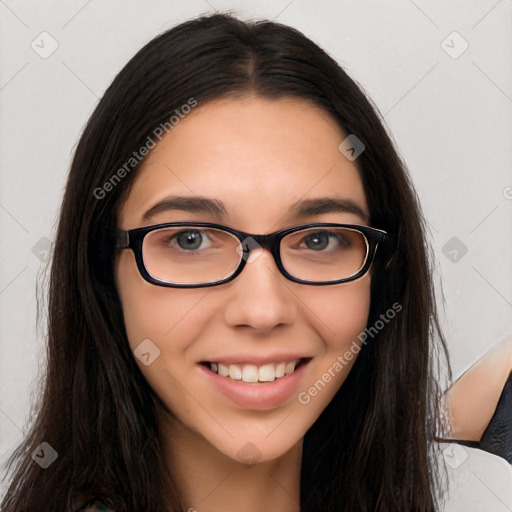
column 251, row 451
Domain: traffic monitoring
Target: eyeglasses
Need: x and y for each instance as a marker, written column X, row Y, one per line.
column 198, row 254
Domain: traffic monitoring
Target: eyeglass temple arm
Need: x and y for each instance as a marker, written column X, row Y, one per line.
column 119, row 238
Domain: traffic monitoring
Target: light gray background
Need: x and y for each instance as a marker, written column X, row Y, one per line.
column 450, row 117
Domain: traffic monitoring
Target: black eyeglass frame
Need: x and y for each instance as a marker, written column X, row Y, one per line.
column 133, row 239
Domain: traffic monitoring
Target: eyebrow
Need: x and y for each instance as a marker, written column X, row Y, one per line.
column 301, row 208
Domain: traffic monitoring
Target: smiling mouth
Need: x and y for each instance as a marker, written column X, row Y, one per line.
column 252, row 373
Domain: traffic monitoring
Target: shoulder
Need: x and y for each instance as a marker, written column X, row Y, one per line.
column 95, row 505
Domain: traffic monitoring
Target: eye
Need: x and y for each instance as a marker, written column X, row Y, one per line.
column 319, row 240
column 189, row 240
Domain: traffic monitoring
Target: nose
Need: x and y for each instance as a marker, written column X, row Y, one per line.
column 261, row 297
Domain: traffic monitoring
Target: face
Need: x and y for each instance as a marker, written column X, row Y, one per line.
column 258, row 157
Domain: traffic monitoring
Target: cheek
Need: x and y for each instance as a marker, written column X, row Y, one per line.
column 341, row 316
column 161, row 323
column 166, row 316
column 341, row 313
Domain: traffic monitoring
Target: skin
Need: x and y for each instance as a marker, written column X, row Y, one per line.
column 471, row 401
column 257, row 156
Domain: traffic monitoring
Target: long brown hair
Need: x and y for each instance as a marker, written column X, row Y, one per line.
column 371, row 448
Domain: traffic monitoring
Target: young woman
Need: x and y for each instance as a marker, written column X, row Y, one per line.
column 241, row 305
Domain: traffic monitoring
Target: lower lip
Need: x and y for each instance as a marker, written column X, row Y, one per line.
column 257, row 396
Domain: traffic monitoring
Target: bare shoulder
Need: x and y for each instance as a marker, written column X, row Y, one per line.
column 471, row 401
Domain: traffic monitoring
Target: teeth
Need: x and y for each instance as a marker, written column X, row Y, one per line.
column 223, row 369
column 280, row 370
column 289, row 367
column 249, row 373
column 266, row 373
column 234, row 372
column 253, row 373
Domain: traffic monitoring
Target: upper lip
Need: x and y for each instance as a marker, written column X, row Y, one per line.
column 258, row 360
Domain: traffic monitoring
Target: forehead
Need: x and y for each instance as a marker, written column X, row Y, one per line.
column 257, row 156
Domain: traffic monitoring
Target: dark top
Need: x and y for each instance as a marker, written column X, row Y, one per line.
column 95, row 506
